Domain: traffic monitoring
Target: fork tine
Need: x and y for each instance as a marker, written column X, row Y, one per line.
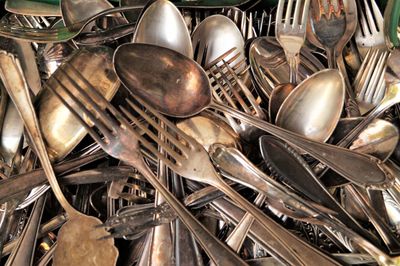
column 375, row 78
column 306, row 9
column 81, row 107
column 363, row 24
column 362, row 68
column 370, row 17
column 380, row 90
column 161, row 130
column 279, row 11
column 172, row 127
column 109, row 122
column 366, row 75
column 245, row 91
column 288, row 13
column 378, row 15
column 296, row 16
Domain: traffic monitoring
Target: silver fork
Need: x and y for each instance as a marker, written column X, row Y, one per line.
column 369, row 84
column 121, row 141
column 230, row 89
column 291, row 35
column 369, row 33
column 187, row 158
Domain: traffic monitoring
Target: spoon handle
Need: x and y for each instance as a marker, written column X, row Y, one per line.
column 361, row 169
column 14, row 81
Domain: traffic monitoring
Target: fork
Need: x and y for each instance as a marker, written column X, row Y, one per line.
column 369, row 33
column 230, row 89
column 291, row 34
column 117, row 138
column 188, row 158
column 369, row 84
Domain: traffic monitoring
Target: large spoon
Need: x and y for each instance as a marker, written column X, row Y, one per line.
column 90, row 251
column 314, row 107
column 186, row 91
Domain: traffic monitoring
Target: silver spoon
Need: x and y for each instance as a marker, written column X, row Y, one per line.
column 186, row 91
column 213, row 37
column 314, row 107
column 162, row 24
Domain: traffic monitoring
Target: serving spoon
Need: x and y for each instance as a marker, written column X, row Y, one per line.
column 186, row 91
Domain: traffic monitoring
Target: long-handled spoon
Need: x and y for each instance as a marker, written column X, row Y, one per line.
column 186, row 91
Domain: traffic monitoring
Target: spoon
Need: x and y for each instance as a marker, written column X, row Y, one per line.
column 32, row 8
column 186, row 91
column 60, row 129
column 269, row 66
column 379, row 139
column 162, row 24
column 209, row 129
column 277, row 97
column 314, row 107
column 90, row 251
column 76, row 11
column 213, row 37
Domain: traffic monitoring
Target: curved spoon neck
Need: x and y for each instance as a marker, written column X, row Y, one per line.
column 331, row 57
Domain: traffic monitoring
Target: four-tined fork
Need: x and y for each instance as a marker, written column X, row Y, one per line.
column 182, row 154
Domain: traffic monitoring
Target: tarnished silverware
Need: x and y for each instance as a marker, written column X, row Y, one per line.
column 291, row 34
column 187, row 100
column 214, row 248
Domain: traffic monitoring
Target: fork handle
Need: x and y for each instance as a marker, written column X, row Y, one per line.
column 215, row 249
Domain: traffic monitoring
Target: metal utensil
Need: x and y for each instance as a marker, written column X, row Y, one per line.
column 291, row 34
column 314, row 107
column 78, row 223
column 33, row 8
column 130, row 154
column 162, row 24
column 269, row 67
column 185, row 166
column 195, row 89
column 369, row 84
column 211, row 41
column 369, row 33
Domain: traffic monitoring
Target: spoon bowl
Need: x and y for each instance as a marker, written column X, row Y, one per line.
column 162, row 24
column 208, row 129
column 60, row 129
column 213, row 37
column 314, row 107
column 278, row 96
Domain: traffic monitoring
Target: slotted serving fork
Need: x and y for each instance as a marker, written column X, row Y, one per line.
column 369, row 33
column 291, row 33
column 369, row 84
column 187, row 158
